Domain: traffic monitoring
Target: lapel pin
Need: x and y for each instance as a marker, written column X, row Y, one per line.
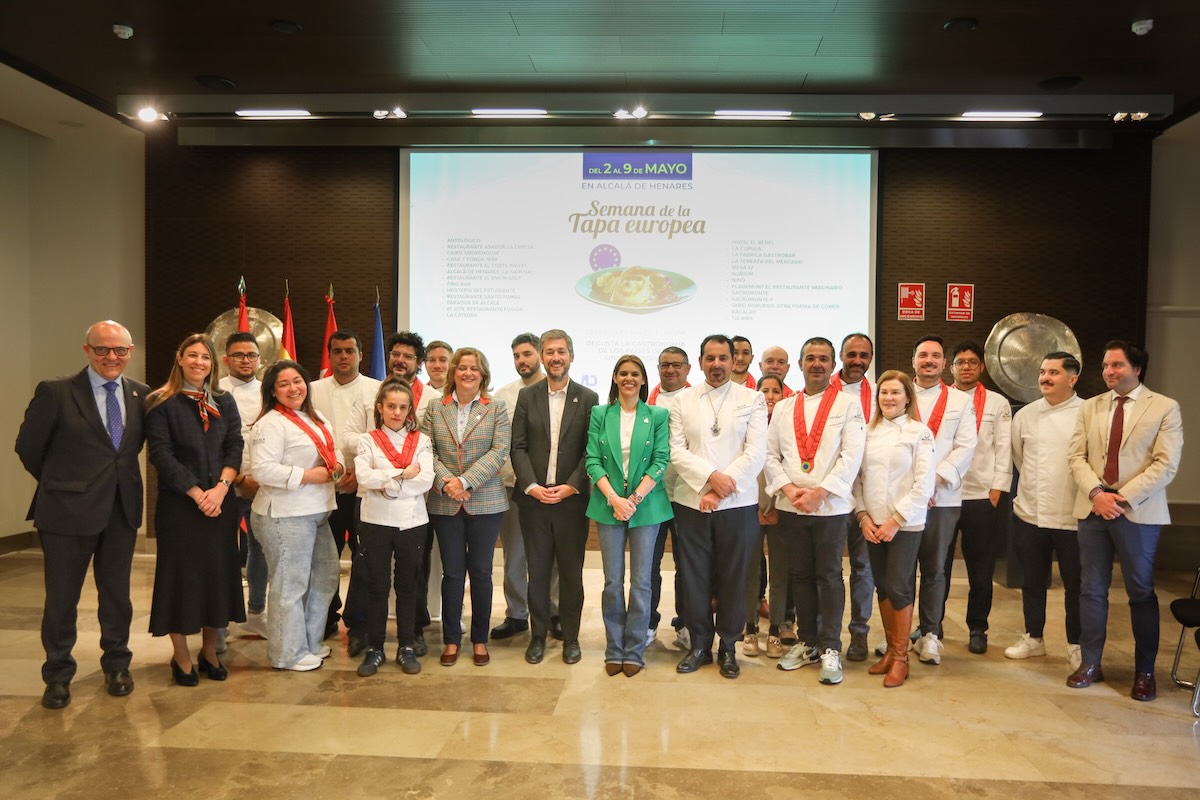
column 574, row 399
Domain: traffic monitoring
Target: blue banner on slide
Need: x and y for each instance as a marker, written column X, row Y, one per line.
column 622, row 166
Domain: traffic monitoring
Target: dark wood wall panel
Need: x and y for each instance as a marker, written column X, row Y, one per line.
column 1063, row 233
column 310, row 215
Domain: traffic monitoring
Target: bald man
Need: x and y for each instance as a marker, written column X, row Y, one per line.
column 80, row 439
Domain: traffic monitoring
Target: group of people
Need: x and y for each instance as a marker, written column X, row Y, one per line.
column 895, row 474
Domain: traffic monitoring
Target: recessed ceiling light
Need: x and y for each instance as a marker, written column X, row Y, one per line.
column 1138, row 116
column 148, row 114
column 272, row 113
column 1120, row 116
column 639, row 113
column 509, row 112
column 999, row 116
column 621, row 113
column 399, row 113
column 866, row 116
column 379, row 113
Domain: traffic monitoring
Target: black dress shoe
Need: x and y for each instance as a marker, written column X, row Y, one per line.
column 693, row 661
column 1085, row 676
column 977, row 643
column 556, row 628
column 356, row 642
column 57, row 695
column 119, row 683
column 331, row 626
column 536, row 650
column 571, row 653
column 371, row 663
column 420, row 648
column 510, row 628
column 215, row 672
column 1143, row 686
column 728, row 663
column 184, row 678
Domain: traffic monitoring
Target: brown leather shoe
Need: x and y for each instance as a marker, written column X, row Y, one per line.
column 630, row 669
column 481, row 659
column 1143, row 686
column 449, row 657
column 612, row 668
column 1085, row 676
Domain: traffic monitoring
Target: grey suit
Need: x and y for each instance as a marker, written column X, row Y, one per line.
column 88, row 505
column 553, row 533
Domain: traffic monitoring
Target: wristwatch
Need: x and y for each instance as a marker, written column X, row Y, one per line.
column 227, row 482
column 636, row 498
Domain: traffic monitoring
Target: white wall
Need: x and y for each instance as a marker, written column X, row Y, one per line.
column 72, row 250
column 1173, row 318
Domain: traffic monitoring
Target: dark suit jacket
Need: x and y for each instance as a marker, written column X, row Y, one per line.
column 186, row 455
column 64, row 445
column 531, row 438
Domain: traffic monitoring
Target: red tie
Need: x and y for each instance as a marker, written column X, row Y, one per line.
column 1112, row 460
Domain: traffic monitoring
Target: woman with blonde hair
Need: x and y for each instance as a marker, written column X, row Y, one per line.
column 195, row 438
column 891, row 498
column 471, row 435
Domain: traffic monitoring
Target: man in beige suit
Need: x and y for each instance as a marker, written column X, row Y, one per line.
column 1124, row 452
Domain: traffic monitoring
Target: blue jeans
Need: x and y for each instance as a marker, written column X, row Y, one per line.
column 1134, row 544
column 256, row 563
column 625, row 626
column 304, row 574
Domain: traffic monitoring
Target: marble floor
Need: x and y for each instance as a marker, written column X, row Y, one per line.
column 978, row 726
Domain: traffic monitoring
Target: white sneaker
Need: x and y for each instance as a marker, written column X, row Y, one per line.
column 831, row 667
column 651, row 635
column 683, row 639
column 256, row 623
column 929, row 649
column 881, row 649
column 222, row 635
column 1074, row 657
column 323, row 652
column 801, row 655
column 1026, row 647
column 306, row 664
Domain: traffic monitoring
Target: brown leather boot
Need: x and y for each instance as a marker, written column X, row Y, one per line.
column 898, row 639
column 886, row 613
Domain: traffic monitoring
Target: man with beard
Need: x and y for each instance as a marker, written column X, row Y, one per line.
column 743, row 357
column 528, row 363
column 549, row 443
column 718, row 445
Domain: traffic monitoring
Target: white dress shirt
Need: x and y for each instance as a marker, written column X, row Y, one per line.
column 738, row 451
column 247, row 395
column 280, row 453
column 838, row 456
column 339, row 403
column 991, row 466
column 897, row 475
column 670, row 476
column 1041, row 437
column 954, row 443
column 389, row 499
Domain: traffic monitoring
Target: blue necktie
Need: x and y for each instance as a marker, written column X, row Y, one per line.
column 116, row 424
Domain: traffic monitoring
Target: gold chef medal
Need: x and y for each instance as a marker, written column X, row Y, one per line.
column 806, row 465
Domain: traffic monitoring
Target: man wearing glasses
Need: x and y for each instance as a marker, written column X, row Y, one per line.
column 80, row 439
column 242, row 361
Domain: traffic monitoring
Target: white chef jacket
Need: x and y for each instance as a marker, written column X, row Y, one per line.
column 838, row 456
column 1041, row 438
column 897, row 474
column 738, row 451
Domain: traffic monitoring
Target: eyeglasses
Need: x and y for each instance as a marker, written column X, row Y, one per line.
column 101, row 350
column 402, row 356
column 671, row 365
column 243, row 356
column 967, row 362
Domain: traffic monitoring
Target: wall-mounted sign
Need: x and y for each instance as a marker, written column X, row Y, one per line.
column 960, row 302
column 912, row 301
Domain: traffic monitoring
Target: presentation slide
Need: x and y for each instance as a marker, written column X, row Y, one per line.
column 630, row 252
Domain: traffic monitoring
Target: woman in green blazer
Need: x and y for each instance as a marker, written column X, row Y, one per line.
column 627, row 453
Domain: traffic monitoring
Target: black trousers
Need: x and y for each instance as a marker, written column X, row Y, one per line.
column 1036, row 548
column 421, row 616
column 813, row 549
column 660, row 549
column 555, row 534
column 343, row 522
column 729, row 541
column 894, row 565
column 977, row 525
column 378, row 545
column 66, row 560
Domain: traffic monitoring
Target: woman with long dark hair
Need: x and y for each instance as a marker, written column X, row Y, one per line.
column 195, row 439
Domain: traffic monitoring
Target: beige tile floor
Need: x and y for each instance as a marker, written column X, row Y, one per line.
column 978, row 726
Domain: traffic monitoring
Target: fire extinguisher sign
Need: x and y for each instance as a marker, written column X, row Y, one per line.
column 960, row 302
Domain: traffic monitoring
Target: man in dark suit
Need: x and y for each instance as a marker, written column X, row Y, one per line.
column 549, row 440
column 80, row 439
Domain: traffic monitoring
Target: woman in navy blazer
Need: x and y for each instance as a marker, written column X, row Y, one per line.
column 195, row 437
column 628, row 449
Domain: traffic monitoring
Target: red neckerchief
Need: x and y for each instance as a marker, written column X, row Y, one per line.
column 206, row 408
column 864, row 393
column 324, row 449
column 401, row 459
column 939, row 410
column 980, row 400
column 808, row 442
column 787, row 392
column 417, row 389
column 750, row 382
column 653, row 399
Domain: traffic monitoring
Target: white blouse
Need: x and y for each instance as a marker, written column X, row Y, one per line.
column 280, row 453
column 897, row 473
column 389, row 499
column 627, row 420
